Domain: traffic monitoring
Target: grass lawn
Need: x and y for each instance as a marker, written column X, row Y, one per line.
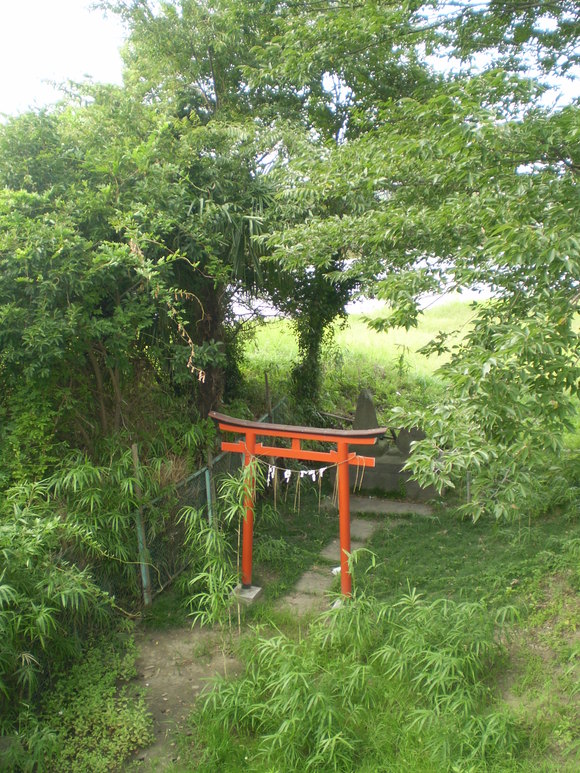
column 274, row 344
column 400, row 348
column 443, row 556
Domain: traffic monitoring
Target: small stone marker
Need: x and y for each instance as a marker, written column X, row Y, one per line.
column 388, row 474
column 365, row 416
column 407, row 436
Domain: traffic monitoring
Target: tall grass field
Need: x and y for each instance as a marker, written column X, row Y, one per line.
column 357, row 357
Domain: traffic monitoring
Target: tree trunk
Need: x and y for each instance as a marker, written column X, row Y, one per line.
column 100, row 390
column 116, row 382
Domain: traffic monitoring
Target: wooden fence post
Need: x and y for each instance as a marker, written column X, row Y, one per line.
column 143, row 556
column 268, row 397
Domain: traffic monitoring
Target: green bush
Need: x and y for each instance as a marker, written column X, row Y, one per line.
column 47, row 605
column 86, row 723
column 28, row 446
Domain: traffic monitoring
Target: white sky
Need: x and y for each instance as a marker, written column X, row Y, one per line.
column 53, row 40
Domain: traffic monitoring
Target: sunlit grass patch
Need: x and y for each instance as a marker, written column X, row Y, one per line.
column 399, row 349
column 358, row 357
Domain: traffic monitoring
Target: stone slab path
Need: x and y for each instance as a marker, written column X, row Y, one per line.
column 388, row 507
column 312, row 592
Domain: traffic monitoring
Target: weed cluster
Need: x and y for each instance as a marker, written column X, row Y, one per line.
column 90, row 720
column 372, row 687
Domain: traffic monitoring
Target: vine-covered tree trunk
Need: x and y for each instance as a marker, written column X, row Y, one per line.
column 210, row 334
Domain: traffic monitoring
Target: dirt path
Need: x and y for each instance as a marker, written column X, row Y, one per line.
column 174, row 667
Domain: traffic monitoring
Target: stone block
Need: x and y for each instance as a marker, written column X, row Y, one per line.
column 407, row 436
column 247, row 595
column 362, row 529
column 365, row 416
column 315, row 583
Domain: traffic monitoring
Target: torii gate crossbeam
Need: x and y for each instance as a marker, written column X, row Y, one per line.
column 340, row 456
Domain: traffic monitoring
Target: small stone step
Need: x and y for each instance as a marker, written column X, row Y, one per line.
column 388, row 506
column 316, row 583
column 332, row 551
column 362, row 529
column 303, row 603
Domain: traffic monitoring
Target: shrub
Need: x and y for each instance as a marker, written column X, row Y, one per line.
column 46, row 604
column 86, row 723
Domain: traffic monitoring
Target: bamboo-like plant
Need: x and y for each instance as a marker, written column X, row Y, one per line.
column 402, row 685
column 47, row 604
column 218, row 545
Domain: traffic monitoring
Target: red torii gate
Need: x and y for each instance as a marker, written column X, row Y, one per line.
column 339, row 456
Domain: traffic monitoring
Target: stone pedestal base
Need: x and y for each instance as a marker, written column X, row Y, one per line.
column 247, row 595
